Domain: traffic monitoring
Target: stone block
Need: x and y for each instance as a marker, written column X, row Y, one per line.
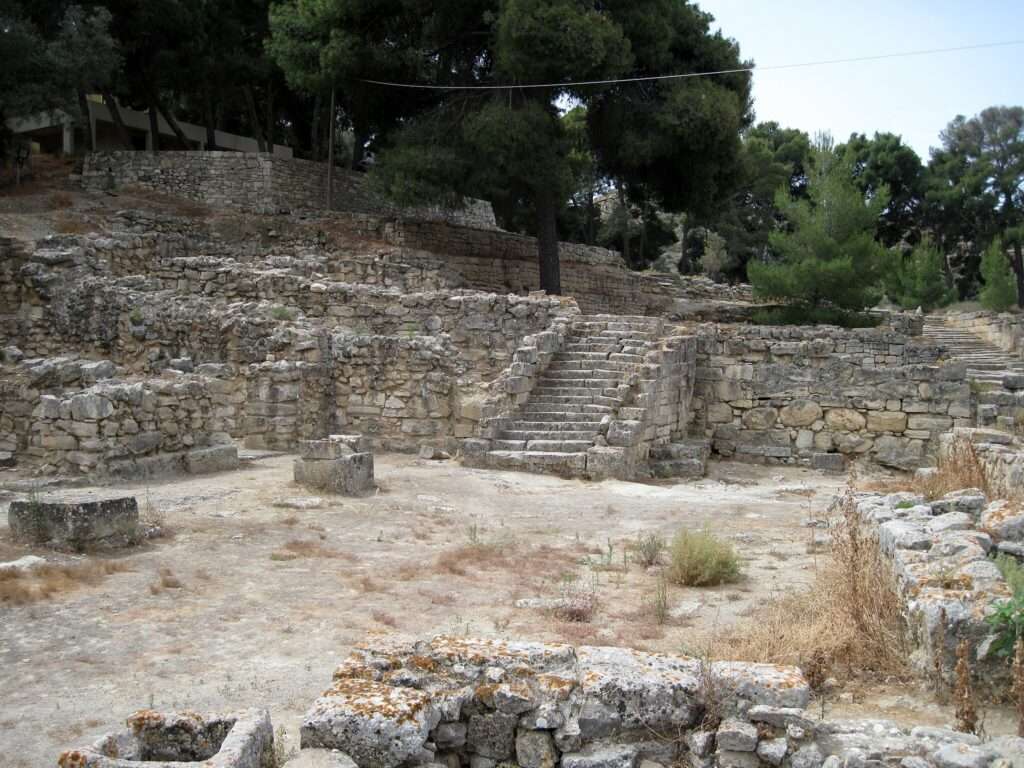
column 81, row 525
column 760, row 418
column 887, row 421
column 239, row 740
column 845, row 420
column 829, row 462
column 349, row 475
column 216, row 458
column 800, row 413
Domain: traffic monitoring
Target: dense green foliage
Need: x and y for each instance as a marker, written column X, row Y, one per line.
column 699, row 559
column 998, row 290
column 671, row 145
column 828, row 258
column 918, row 278
column 1007, row 621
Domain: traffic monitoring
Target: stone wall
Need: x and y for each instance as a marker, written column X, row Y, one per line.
column 256, row 183
column 121, row 427
column 821, row 395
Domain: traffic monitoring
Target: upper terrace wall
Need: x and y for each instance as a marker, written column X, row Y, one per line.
column 256, row 183
column 794, row 394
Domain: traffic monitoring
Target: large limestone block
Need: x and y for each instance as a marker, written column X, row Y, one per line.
column 845, row 420
column 760, row 418
column 349, row 475
column 75, row 525
column 377, row 725
column 887, row 421
column 800, row 413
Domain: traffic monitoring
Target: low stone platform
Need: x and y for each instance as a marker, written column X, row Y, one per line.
column 174, row 740
column 75, row 525
column 339, row 464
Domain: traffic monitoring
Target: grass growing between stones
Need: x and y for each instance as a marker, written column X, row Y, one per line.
column 699, row 559
column 850, row 620
column 48, row 581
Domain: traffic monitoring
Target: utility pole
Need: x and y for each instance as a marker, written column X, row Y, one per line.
column 330, row 154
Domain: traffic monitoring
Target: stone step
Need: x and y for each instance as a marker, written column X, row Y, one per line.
column 571, row 363
column 573, row 392
column 584, row 425
column 569, row 464
column 609, row 378
column 580, row 412
column 551, row 435
column 558, row 423
column 559, row 406
column 560, row 446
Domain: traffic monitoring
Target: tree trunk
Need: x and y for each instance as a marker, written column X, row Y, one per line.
column 254, row 120
column 154, row 129
column 115, row 115
column 83, row 105
column 314, row 130
column 547, row 241
column 171, row 121
column 624, row 209
column 360, row 135
column 268, row 130
column 1018, row 270
column 209, row 119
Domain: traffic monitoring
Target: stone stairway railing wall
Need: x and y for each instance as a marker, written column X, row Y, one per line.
column 1005, row 330
column 656, row 411
column 821, row 396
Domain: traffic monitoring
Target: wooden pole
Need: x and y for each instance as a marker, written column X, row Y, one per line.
column 330, row 155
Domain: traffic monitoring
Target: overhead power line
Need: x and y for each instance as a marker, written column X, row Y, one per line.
column 685, row 75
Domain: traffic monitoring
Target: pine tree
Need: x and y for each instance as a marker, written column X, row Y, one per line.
column 918, row 279
column 830, row 264
column 999, row 291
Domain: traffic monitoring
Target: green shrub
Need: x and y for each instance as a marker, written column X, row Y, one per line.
column 1000, row 290
column 698, row 559
column 918, row 279
column 648, row 549
column 800, row 314
column 282, row 313
column 1008, row 620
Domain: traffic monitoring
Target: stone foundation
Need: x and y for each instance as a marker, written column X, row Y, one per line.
column 77, row 526
column 340, row 464
column 177, row 740
column 486, row 703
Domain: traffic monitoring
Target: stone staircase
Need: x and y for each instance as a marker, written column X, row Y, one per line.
column 585, row 383
column 985, row 361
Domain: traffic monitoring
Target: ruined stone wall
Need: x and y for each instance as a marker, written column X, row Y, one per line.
column 256, row 182
column 816, row 395
column 112, row 425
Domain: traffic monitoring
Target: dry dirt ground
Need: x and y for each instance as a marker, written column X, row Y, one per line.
column 253, row 604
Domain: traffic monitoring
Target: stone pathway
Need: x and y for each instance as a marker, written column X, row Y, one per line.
column 584, row 382
column 985, row 361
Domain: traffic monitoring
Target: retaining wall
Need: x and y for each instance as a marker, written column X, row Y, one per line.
column 822, row 395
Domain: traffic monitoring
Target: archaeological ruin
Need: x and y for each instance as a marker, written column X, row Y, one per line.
column 249, row 439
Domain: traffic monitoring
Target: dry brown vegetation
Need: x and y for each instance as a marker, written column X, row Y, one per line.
column 165, row 580
column 45, row 582
column 296, row 548
column 68, row 224
column 957, row 469
column 849, row 620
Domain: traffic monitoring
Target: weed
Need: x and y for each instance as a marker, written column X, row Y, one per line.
column 577, row 600
column 281, row 753
column 1018, row 684
column 698, row 559
column 45, row 582
column 60, row 200
column 963, row 694
column 281, row 313
column 384, row 618
column 956, row 469
column 648, row 549
column 659, row 602
column 905, row 505
column 851, row 614
column 136, row 317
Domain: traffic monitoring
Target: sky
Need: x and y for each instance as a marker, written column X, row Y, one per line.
column 914, row 97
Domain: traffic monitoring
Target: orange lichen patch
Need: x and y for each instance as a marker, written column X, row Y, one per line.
column 72, row 759
column 145, row 719
column 353, row 668
column 367, row 698
column 1000, row 512
column 560, row 687
column 424, row 663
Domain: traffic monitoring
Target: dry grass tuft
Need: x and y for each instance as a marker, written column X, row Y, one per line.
column 850, row 617
column 477, row 555
column 955, row 470
column 699, row 559
column 384, row 618
column 963, row 692
column 297, row 548
column 45, row 582
column 68, row 224
column 59, row 200
column 165, row 580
